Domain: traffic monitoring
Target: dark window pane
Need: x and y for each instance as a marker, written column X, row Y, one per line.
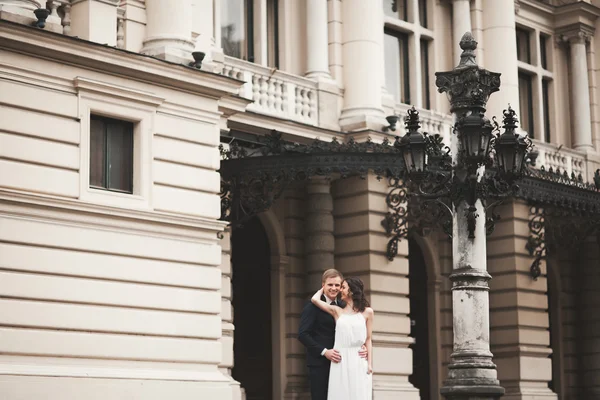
column 543, row 51
column 523, row 48
column 423, row 12
column 111, row 154
column 97, row 152
column 546, row 105
column 236, row 29
column 396, row 65
column 120, row 156
column 425, row 73
column 396, row 9
column 526, row 103
column 273, row 33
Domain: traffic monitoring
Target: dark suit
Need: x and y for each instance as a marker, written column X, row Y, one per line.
column 317, row 332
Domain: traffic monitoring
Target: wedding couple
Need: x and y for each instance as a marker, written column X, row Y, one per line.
column 335, row 328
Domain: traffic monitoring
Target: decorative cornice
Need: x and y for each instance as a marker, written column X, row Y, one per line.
column 576, row 20
column 38, row 43
column 575, row 33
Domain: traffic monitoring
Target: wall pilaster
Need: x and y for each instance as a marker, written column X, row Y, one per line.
column 360, row 243
column 589, row 268
column 319, row 243
column 294, row 205
column 518, row 310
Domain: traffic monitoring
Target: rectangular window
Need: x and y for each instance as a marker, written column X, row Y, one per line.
column 543, row 51
column 396, row 65
column 237, row 38
column 425, row 74
column 546, row 105
column 423, row 12
column 396, row 9
column 111, row 154
column 526, row 103
column 523, row 46
column 273, row 33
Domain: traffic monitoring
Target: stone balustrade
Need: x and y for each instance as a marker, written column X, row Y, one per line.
column 432, row 122
column 557, row 157
column 274, row 92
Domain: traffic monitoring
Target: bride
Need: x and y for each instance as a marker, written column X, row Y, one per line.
column 350, row 379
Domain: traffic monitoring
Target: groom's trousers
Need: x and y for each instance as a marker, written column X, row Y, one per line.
column 319, row 381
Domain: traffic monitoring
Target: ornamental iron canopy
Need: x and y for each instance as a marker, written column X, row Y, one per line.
column 424, row 185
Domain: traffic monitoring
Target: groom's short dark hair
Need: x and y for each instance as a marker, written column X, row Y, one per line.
column 331, row 273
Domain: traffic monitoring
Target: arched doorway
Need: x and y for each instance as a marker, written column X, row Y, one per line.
column 251, row 300
column 419, row 318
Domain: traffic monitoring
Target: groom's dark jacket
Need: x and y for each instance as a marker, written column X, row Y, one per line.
column 317, row 332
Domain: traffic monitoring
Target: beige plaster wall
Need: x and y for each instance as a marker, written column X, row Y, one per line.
column 110, row 295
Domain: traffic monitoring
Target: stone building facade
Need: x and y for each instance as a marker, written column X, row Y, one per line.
column 118, row 280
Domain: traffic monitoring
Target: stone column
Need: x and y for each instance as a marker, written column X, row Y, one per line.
column 362, row 58
column 319, row 242
column 580, row 106
column 500, row 42
column 472, row 374
column 169, row 30
column 317, row 52
column 461, row 23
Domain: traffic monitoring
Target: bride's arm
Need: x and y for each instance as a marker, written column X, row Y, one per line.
column 369, row 342
column 316, row 300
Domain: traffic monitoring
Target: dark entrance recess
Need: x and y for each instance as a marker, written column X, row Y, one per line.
column 419, row 329
column 251, row 285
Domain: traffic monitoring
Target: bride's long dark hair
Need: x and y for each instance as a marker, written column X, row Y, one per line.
column 356, row 290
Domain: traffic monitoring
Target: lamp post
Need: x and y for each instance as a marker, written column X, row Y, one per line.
column 468, row 189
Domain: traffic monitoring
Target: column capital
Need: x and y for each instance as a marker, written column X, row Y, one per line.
column 576, row 33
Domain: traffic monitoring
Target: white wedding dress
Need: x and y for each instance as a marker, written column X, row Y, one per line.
column 348, row 380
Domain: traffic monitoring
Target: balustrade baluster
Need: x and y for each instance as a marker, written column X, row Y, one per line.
column 264, row 92
column 53, row 5
column 66, row 19
column 256, row 89
column 278, row 96
column 120, row 28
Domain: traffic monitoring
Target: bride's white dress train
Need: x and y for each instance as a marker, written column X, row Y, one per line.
column 348, row 380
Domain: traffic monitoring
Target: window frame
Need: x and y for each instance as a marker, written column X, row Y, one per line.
column 106, row 154
column 121, row 103
column 420, row 94
column 404, row 89
column 541, row 79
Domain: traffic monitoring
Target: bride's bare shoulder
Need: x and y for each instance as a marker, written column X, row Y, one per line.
column 368, row 312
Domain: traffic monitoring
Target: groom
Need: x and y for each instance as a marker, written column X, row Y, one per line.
column 317, row 334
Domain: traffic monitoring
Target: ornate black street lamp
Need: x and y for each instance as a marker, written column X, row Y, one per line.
column 480, row 171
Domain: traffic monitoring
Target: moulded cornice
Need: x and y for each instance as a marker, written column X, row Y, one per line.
column 231, row 105
column 109, row 2
column 260, row 124
column 82, row 53
column 575, row 14
column 89, row 85
column 79, row 212
column 535, row 5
